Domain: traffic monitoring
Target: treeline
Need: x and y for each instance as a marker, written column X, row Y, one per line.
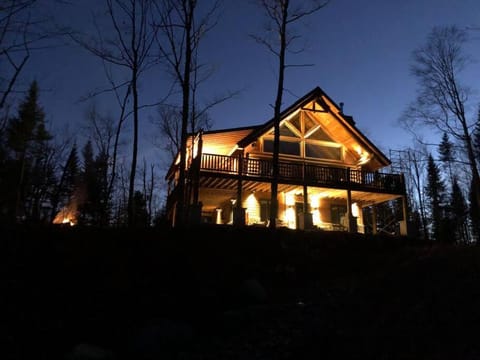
column 443, row 182
column 44, row 175
column 441, row 195
column 39, row 184
column 95, row 182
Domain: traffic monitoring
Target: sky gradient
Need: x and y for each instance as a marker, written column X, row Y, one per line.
column 359, row 51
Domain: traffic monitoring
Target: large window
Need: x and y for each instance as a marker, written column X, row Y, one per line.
column 286, row 147
column 323, row 152
column 302, row 135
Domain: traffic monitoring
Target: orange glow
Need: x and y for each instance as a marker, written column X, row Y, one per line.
column 68, row 215
column 290, row 217
column 355, row 209
column 289, row 199
column 315, row 205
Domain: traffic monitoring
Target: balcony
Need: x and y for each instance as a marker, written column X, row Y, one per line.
column 300, row 173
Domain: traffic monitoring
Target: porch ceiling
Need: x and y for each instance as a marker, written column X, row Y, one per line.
column 363, row 197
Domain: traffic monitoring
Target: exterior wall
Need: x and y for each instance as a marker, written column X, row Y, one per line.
column 218, row 205
column 252, row 209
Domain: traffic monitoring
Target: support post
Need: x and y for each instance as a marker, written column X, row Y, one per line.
column 403, row 223
column 352, row 221
column 239, row 211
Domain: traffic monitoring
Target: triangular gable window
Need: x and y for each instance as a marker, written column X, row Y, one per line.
column 296, row 122
column 309, row 124
column 285, row 131
column 321, row 135
column 302, row 135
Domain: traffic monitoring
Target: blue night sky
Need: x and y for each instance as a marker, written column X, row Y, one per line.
column 360, row 53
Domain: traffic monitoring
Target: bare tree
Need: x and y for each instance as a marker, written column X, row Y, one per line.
column 442, row 99
column 415, row 178
column 181, row 30
column 281, row 16
column 129, row 50
column 24, row 27
column 148, row 186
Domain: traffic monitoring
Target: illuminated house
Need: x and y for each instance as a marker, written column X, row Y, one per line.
column 330, row 174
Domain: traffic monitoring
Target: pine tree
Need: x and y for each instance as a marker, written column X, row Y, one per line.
column 94, row 202
column 68, row 184
column 458, row 213
column 141, row 214
column 84, row 194
column 474, row 212
column 435, row 190
column 27, row 143
column 446, row 151
column 476, row 137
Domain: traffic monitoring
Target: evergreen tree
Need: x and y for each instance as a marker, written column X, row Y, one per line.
column 446, row 151
column 68, row 184
column 94, row 202
column 458, row 213
column 141, row 213
column 435, row 191
column 476, row 137
column 103, row 201
column 84, row 195
column 30, row 168
column 474, row 212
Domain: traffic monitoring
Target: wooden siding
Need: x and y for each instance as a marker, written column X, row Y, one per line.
column 223, row 142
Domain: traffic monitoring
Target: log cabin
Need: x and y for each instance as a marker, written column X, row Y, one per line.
column 330, row 176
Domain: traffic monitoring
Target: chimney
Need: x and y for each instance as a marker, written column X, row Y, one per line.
column 341, row 107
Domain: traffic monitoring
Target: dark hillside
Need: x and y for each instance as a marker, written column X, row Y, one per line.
column 225, row 293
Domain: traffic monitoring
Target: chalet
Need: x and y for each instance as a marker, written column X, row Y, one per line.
column 331, row 176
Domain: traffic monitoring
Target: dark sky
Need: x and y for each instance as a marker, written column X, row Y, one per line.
column 360, row 51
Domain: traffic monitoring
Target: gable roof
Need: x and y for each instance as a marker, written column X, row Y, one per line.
column 225, row 141
column 323, row 100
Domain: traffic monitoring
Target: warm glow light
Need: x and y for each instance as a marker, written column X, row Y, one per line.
column 315, row 200
column 364, row 156
column 289, row 199
column 316, row 217
column 358, row 150
column 66, row 216
column 355, row 209
column 252, row 206
column 290, row 217
column 209, row 149
column 219, row 216
column 251, row 201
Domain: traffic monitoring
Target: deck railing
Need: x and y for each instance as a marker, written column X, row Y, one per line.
column 313, row 175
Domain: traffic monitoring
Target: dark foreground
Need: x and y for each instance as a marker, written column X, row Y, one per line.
column 204, row 293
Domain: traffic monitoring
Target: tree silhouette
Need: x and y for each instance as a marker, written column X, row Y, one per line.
column 27, row 141
column 458, row 213
column 442, row 98
column 281, row 16
column 435, row 190
column 130, row 50
column 447, row 155
column 181, row 28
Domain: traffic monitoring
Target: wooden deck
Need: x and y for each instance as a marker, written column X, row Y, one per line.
column 297, row 173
